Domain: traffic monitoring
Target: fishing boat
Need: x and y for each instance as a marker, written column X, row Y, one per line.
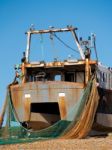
column 43, row 93
column 39, row 99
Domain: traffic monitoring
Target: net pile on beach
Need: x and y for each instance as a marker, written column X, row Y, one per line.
column 81, row 118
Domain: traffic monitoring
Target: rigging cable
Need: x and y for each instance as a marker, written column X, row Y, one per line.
column 42, row 46
column 65, row 43
column 53, row 45
column 94, row 42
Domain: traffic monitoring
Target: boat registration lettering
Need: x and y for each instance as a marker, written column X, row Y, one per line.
column 61, row 94
column 27, row 95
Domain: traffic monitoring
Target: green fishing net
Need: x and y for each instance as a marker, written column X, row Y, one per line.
column 13, row 132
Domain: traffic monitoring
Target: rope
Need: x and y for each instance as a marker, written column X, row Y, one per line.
column 65, row 43
column 53, row 45
column 84, row 124
column 42, row 46
column 3, row 110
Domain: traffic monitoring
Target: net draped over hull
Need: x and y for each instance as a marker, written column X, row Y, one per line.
column 82, row 114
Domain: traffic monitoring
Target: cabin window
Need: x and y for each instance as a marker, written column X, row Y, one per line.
column 31, row 78
column 103, row 77
column 106, row 77
column 70, row 77
column 100, row 76
column 80, row 77
column 75, row 77
column 57, row 77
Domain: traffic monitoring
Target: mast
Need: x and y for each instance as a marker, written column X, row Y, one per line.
column 68, row 29
column 28, row 46
column 78, row 45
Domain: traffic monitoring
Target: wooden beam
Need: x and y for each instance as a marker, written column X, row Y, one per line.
column 58, row 64
column 50, row 30
column 87, row 70
column 62, row 106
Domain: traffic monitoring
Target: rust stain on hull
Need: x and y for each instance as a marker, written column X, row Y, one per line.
column 36, row 92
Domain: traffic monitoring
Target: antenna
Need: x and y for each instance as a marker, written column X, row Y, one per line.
column 94, row 45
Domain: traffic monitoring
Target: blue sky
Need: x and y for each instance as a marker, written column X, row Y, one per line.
column 16, row 16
